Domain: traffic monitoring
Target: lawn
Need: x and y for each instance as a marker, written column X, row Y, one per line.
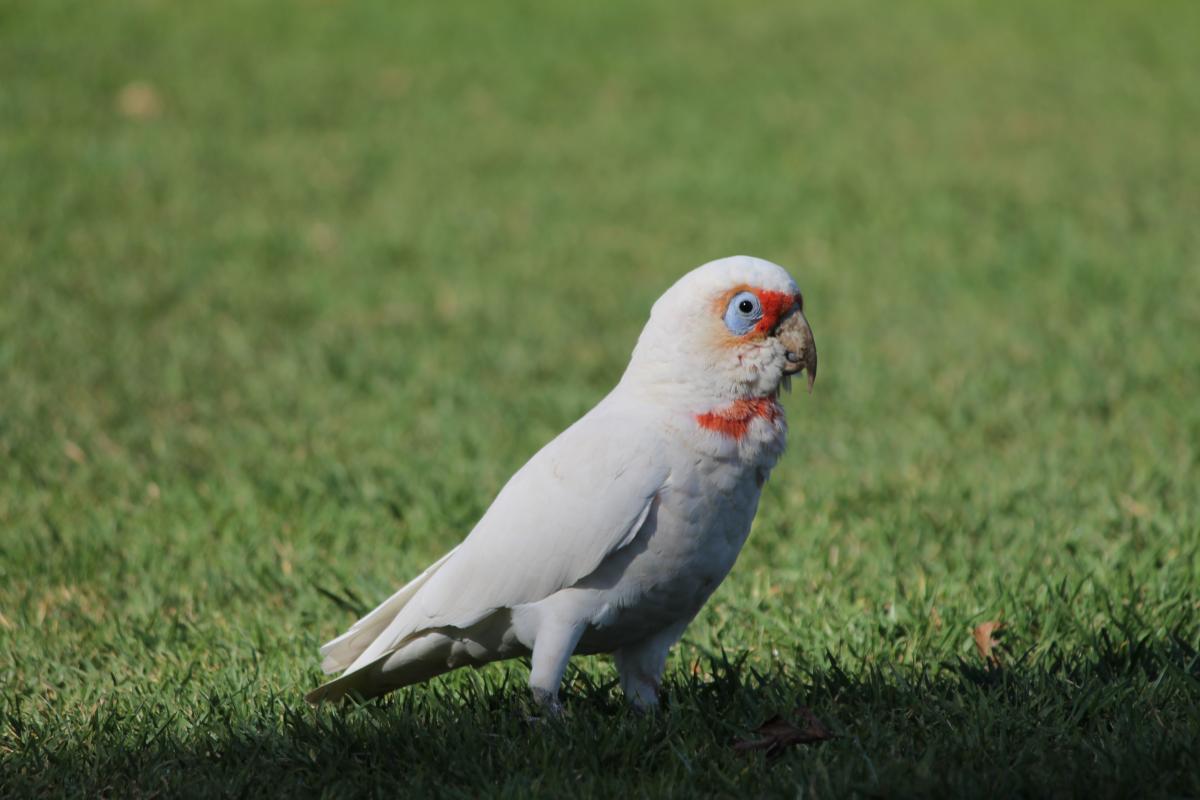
column 287, row 291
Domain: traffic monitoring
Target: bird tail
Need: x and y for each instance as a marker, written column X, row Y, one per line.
column 419, row 659
column 341, row 652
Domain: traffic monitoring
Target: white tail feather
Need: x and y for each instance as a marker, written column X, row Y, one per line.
column 342, row 651
column 417, row 660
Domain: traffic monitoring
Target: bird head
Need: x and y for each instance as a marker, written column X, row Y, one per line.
column 731, row 329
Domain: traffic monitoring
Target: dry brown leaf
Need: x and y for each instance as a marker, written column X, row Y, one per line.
column 139, row 100
column 394, row 81
column 985, row 641
column 74, row 452
column 777, row 734
column 322, row 238
column 1133, row 507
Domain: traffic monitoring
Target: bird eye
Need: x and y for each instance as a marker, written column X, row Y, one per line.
column 743, row 312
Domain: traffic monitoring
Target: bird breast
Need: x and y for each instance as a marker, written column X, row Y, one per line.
column 683, row 551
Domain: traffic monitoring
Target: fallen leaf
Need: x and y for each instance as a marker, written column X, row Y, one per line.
column 1133, row 507
column 74, row 452
column 139, row 100
column 935, row 617
column 394, row 81
column 985, row 641
column 322, row 238
column 777, row 734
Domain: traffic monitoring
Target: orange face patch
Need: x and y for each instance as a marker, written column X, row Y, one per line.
column 775, row 306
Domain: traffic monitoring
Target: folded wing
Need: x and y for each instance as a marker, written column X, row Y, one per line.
column 580, row 498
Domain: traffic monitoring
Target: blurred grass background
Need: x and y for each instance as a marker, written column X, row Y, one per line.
column 287, row 291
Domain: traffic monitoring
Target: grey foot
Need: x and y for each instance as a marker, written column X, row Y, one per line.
column 643, row 706
column 547, row 706
column 643, row 695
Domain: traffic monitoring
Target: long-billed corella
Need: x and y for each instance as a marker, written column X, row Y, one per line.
column 612, row 537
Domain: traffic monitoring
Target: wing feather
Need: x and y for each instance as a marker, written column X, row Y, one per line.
column 580, row 498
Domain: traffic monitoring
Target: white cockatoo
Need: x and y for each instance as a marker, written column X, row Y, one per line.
column 612, row 537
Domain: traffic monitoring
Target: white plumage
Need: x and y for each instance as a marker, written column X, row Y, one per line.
column 612, row 537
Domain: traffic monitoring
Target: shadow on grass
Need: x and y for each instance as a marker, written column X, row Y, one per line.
column 1120, row 719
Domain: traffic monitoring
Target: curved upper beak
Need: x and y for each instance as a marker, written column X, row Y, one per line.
column 797, row 337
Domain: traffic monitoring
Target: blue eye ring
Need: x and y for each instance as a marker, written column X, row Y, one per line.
column 743, row 313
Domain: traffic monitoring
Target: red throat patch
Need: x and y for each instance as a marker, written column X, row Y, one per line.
column 735, row 419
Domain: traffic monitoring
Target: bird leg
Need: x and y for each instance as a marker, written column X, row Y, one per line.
column 640, row 666
column 552, row 649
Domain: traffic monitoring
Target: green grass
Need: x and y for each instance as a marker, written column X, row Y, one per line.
column 287, row 332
